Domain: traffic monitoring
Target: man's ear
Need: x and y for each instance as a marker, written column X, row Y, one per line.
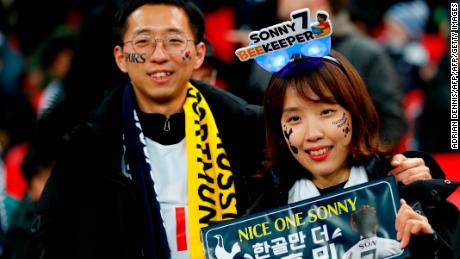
column 200, row 53
column 120, row 58
column 353, row 227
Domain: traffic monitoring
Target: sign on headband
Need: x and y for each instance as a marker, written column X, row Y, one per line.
column 273, row 47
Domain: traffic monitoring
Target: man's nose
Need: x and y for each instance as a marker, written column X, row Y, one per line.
column 159, row 53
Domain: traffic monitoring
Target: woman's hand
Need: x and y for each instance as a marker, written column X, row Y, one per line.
column 409, row 170
column 409, row 222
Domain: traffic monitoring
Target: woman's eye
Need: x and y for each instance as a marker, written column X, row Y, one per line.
column 293, row 118
column 327, row 112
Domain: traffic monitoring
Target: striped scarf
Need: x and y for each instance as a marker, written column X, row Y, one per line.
column 211, row 190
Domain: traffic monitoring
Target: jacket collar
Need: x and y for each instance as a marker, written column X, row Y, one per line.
column 106, row 119
column 377, row 167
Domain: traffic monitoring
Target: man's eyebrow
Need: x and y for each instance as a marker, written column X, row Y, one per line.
column 147, row 30
column 174, row 30
column 143, row 30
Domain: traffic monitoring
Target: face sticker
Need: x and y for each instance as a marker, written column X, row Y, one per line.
column 341, row 122
column 287, row 134
column 186, row 56
column 346, row 130
column 135, row 57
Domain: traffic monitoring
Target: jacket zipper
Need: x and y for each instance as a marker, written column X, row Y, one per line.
column 167, row 125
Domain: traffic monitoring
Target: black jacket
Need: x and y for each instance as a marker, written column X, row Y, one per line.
column 90, row 210
column 428, row 197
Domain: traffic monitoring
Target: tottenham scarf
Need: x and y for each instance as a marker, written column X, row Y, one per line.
column 211, row 188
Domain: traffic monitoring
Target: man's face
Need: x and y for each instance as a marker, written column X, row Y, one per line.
column 159, row 78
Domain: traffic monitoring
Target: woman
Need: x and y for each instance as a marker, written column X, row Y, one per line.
column 322, row 136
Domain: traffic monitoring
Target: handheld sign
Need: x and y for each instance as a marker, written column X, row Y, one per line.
column 357, row 222
column 274, row 46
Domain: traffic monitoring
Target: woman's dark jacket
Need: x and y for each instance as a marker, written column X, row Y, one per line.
column 90, row 210
column 428, row 197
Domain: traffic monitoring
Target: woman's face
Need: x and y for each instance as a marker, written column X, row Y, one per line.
column 318, row 135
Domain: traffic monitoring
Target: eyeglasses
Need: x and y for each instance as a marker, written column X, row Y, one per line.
column 173, row 44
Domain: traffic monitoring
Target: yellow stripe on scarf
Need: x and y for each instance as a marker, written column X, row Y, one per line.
column 211, row 188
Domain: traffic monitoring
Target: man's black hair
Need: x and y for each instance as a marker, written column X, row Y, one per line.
column 195, row 16
column 322, row 15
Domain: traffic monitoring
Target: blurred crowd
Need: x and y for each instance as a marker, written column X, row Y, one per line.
column 56, row 64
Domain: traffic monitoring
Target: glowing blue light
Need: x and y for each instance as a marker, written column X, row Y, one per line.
column 279, row 61
column 313, row 49
column 274, row 61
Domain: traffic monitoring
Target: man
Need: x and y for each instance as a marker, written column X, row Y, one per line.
column 160, row 158
column 322, row 28
column 364, row 221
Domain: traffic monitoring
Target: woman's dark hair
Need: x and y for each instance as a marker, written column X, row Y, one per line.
column 324, row 77
column 195, row 16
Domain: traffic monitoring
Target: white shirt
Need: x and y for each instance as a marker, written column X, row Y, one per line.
column 169, row 174
column 373, row 247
